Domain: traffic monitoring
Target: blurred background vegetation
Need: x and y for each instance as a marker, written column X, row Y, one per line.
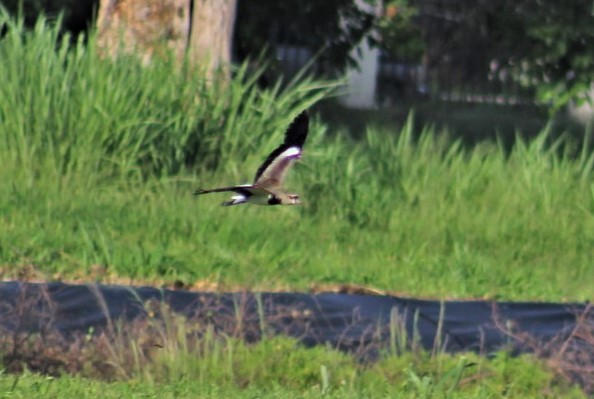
column 538, row 53
column 529, row 53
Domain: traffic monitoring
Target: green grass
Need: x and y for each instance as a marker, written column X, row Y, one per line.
column 68, row 112
column 278, row 367
column 425, row 218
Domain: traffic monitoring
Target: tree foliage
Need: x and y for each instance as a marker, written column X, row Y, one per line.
column 331, row 29
column 545, row 45
column 400, row 37
column 558, row 58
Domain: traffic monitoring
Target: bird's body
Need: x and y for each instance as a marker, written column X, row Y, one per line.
column 267, row 186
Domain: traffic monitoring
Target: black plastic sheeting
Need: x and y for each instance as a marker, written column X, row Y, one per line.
column 349, row 322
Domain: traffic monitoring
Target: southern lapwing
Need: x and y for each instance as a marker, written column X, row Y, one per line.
column 267, row 186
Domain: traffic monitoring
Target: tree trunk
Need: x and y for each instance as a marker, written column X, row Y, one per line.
column 202, row 29
column 212, row 34
column 149, row 27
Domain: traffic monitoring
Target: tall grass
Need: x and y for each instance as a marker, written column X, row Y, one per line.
column 65, row 110
column 509, row 218
column 421, row 216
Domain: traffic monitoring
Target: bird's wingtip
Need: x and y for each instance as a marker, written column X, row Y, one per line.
column 199, row 191
column 303, row 115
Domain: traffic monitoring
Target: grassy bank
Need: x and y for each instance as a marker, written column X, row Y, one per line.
column 278, row 367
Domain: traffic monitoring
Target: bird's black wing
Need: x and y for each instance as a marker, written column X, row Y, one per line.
column 294, row 137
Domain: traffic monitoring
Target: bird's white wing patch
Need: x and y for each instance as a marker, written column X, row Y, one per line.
column 274, row 174
column 290, row 152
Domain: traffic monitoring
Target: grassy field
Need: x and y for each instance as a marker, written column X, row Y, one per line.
column 99, row 160
column 424, row 218
column 413, row 386
column 280, row 368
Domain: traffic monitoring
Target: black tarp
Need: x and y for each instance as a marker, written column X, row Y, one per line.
column 349, row 322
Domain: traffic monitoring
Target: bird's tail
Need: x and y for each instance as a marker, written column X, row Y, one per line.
column 201, row 191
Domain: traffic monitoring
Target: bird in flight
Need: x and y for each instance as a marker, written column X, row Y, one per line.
column 267, row 187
